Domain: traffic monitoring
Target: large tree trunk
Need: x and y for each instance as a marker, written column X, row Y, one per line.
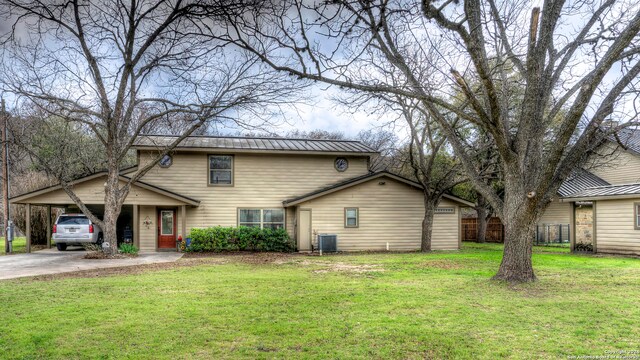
column 519, row 222
column 112, row 208
column 481, row 229
column 427, row 224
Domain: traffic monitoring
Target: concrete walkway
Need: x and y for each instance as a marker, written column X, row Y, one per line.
column 52, row 261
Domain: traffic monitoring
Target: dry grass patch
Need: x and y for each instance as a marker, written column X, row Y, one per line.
column 445, row 264
column 349, row 268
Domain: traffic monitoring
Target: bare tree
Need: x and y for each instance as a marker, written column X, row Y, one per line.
column 573, row 61
column 386, row 144
column 433, row 166
column 117, row 68
column 487, row 168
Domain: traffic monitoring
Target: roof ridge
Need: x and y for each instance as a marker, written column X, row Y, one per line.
column 255, row 137
column 612, row 185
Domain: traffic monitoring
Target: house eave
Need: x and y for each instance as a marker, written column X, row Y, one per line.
column 255, row 151
column 22, row 199
column 359, row 180
column 600, row 197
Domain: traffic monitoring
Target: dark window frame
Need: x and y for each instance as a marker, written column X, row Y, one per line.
column 231, row 171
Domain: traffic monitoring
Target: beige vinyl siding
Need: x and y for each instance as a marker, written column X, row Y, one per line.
column 446, row 233
column 556, row 213
column 147, row 236
column 92, row 192
column 615, row 231
column 290, row 221
column 387, row 213
column 260, row 181
column 615, row 165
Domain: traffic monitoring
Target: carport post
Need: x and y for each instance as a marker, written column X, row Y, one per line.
column 183, row 218
column 136, row 226
column 27, row 226
column 49, row 227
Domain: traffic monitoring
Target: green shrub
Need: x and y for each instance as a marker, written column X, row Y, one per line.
column 242, row 238
column 128, row 249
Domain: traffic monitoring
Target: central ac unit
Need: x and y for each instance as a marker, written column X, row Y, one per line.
column 328, row 243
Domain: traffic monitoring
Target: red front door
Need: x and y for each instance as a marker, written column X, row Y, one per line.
column 166, row 229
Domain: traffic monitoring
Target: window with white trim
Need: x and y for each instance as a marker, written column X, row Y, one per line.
column 220, row 170
column 637, row 215
column 351, row 217
column 261, row 218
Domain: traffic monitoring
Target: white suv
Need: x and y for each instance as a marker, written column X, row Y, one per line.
column 75, row 229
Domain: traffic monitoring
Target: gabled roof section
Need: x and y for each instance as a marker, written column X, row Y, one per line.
column 359, row 180
column 255, row 144
column 165, row 192
column 578, row 181
column 19, row 198
column 606, row 192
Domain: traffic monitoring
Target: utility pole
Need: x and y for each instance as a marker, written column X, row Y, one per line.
column 5, row 178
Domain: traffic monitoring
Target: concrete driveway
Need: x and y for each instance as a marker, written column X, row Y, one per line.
column 52, row 261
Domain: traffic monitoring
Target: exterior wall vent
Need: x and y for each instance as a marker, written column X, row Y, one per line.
column 328, row 243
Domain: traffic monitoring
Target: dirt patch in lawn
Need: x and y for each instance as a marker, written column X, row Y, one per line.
column 247, row 257
column 444, row 264
column 128, row 270
column 101, row 255
column 348, row 268
column 198, row 259
column 326, row 266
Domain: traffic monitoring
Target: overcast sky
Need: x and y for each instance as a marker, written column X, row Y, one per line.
column 325, row 114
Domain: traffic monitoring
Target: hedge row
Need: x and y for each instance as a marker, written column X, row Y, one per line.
column 239, row 239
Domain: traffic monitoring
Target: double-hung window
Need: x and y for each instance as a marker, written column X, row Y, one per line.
column 262, row 218
column 351, row 217
column 221, row 170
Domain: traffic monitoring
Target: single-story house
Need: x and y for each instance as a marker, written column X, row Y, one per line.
column 309, row 187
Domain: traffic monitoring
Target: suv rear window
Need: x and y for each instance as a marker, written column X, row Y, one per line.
column 73, row 220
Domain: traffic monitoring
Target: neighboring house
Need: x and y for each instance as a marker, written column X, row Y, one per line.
column 601, row 206
column 308, row 187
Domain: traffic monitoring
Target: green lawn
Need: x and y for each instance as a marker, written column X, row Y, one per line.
column 440, row 305
column 19, row 245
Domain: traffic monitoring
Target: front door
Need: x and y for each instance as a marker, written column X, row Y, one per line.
column 166, row 229
column 304, row 228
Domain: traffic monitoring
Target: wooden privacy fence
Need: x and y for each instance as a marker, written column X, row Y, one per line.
column 495, row 230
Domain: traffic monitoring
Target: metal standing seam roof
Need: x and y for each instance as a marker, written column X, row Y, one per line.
column 578, row 181
column 610, row 190
column 630, row 138
column 256, row 144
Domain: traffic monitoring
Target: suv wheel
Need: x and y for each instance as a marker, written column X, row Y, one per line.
column 61, row 246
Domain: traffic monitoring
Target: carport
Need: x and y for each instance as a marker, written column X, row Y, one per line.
column 143, row 197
